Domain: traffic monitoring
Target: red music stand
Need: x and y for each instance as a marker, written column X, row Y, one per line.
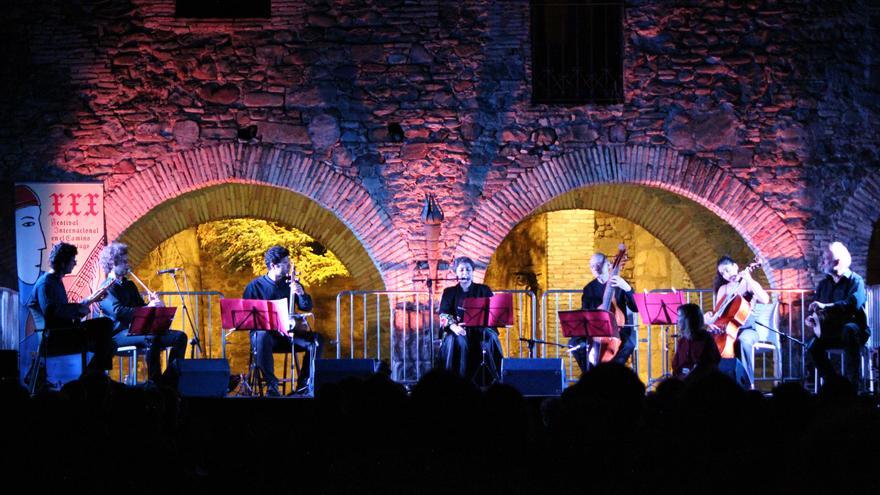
column 495, row 311
column 475, row 311
column 253, row 314
column 659, row 308
column 588, row 323
column 148, row 320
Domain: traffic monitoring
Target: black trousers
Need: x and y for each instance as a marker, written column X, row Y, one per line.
column 152, row 346
column 462, row 354
column 93, row 335
column 848, row 337
column 266, row 343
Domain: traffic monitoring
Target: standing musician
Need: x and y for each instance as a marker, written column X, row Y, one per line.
column 119, row 305
column 277, row 284
column 729, row 279
column 591, row 298
column 460, row 343
column 61, row 319
column 838, row 315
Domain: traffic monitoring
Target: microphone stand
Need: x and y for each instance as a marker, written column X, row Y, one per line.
column 195, row 342
column 531, row 344
column 782, row 334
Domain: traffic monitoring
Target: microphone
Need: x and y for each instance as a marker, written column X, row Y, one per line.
column 168, row 270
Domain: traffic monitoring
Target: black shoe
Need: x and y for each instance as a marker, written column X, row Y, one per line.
column 272, row 390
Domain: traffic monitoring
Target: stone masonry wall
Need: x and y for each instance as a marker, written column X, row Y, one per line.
column 760, row 111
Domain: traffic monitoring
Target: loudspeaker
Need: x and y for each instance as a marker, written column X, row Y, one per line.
column 534, row 376
column 733, row 368
column 336, row 370
column 203, row 377
column 8, row 365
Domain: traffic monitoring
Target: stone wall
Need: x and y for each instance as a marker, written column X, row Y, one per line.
column 759, row 112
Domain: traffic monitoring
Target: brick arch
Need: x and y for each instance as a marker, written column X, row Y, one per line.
column 725, row 196
column 855, row 223
column 238, row 200
column 666, row 216
column 234, row 180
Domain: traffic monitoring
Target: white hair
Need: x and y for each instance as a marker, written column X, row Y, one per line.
column 840, row 254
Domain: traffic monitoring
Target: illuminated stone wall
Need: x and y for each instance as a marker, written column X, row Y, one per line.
column 762, row 113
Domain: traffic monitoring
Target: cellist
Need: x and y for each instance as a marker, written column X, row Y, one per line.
column 728, row 278
column 591, row 298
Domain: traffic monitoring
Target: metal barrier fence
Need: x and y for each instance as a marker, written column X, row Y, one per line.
column 792, row 315
column 8, row 319
column 202, row 312
column 402, row 327
column 653, row 339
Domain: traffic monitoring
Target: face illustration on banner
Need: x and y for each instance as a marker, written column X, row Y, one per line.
column 29, row 240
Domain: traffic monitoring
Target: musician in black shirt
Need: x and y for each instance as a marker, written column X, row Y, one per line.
column 274, row 285
column 461, row 349
column 119, row 305
column 591, row 298
column 65, row 333
column 842, row 321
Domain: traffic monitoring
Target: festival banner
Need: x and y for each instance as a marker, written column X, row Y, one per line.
column 45, row 214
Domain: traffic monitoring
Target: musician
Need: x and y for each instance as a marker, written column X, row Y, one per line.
column 276, row 284
column 840, row 300
column 727, row 279
column 591, row 298
column 119, row 305
column 696, row 351
column 461, row 349
column 52, row 312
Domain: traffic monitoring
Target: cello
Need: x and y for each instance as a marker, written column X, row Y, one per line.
column 608, row 346
column 730, row 314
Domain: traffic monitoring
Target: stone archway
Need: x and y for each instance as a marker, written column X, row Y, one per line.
column 235, row 200
column 213, row 183
column 729, row 200
column 855, row 223
column 667, row 217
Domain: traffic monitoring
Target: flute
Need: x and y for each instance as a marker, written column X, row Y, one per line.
column 150, row 294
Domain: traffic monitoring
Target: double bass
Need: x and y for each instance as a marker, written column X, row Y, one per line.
column 730, row 314
column 608, row 346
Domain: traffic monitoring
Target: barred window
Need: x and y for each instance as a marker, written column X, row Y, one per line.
column 577, row 51
column 223, row 9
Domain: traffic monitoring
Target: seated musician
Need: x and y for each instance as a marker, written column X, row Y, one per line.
column 461, row 349
column 696, row 351
column 728, row 278
column 119, row 305
column 841, row 322
column 61, row 319
column 591, row 298
column 277, row 284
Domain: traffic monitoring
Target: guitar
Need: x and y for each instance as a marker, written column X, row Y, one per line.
column 730, row 314
column 100, row 292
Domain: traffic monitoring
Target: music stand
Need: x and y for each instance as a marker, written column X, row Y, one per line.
column 596, row 325
column 253, row 314
column 148, row 320
column 483, row 312
column 591, row 323
column 659, row 308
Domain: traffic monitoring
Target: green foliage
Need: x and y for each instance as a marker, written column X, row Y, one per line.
column 240, row 243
